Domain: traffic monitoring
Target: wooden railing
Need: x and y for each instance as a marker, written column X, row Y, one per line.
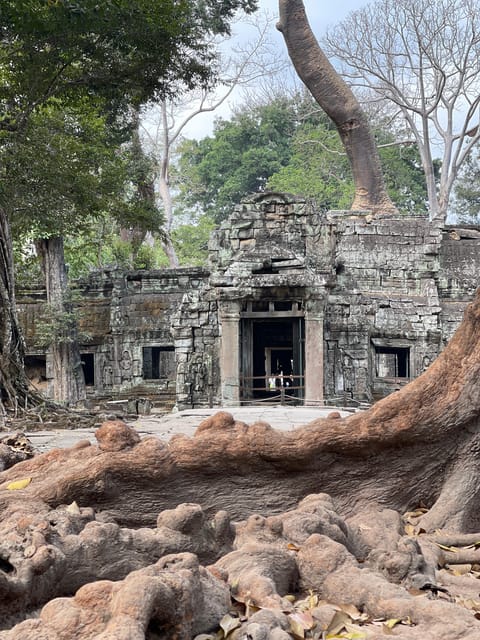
column 280, row 389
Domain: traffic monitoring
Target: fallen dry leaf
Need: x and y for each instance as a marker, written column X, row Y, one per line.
column 337, row 624
column 19, row 484
column 228, row 623
column 352, row 611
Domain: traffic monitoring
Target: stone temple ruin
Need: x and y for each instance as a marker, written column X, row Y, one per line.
column 295, row 304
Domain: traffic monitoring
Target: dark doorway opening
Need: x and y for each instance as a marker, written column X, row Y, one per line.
column 88, row 366
column 272, row 358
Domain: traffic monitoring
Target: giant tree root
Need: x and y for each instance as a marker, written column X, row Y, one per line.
column 175, row 596
column 306, row 573
column 44, row 553
column 417, row 448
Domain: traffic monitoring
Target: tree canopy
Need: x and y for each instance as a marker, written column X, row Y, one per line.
column 288, row 144
column 61, row 172
column 126, row 51
column 114, row 55
column 240, row 156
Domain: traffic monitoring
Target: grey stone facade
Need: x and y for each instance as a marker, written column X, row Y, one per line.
column 336, row 308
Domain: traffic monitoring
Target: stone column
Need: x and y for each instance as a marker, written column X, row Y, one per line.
column 229, row 312
column 314, row 313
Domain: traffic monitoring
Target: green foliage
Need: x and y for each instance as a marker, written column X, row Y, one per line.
column 93, row 251
column 63, row 172
column 84, row 188
column 318, row 167
column 119, row 254
column 27, row 265
column 92, row 248
column 126, row 51
column 238, row 159
column 191, row 241
column 288, row 145
column 146, row 257
column 138, row 210
column 59, row 326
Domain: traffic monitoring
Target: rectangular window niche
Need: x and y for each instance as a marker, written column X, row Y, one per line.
column 158, row 363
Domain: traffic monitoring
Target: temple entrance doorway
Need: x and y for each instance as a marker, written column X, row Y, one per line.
column 272, row 358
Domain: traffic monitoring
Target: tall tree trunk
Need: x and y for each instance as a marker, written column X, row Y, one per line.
column 339, row 103
column 68, row 378
column 164, row 189
column 134, row 237
column 13, row 381
column 170, row 252
column 166, row 196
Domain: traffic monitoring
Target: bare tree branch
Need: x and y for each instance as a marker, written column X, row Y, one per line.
column 425, row 58
column 165, row 122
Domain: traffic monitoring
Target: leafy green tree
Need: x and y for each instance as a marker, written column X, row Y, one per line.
column 318, row 168
column 86, row 185
column 191, row 241
column 290, row 145
column 119, row 53
column 62, row 172
column 81, row 177
column 127, row 51
column 403, row 174
column 238, row 158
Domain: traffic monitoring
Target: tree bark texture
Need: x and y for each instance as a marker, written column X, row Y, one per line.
column 337, row 100
column 319, row 511
column 13, row 381
column 68, row 378
column 307, row 569
column 165, row 191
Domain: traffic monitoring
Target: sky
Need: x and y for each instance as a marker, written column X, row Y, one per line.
column 320, row 15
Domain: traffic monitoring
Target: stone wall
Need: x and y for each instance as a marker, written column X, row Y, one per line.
column 367, row 303
column 384, row 298
column 196, row 333
column 127, row 319
column 458, row 275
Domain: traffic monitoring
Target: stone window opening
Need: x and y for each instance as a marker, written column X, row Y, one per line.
column 36, row 371
column 158, row 362
column 392, row 362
